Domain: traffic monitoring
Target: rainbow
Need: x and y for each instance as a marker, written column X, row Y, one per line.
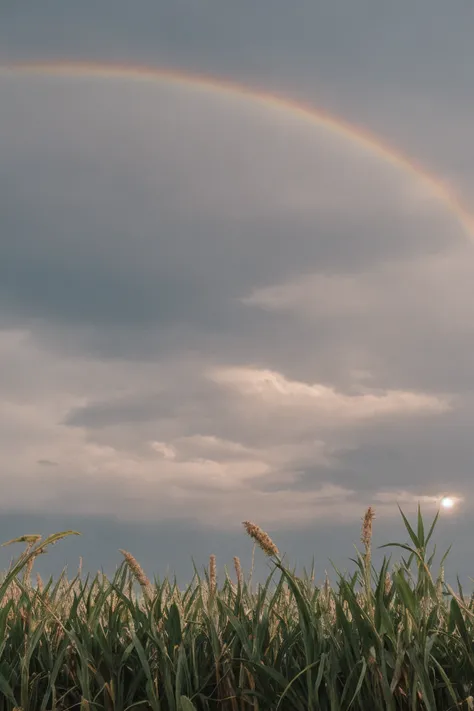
column 318, row 117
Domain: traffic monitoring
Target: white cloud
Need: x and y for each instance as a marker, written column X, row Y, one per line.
column 166, row 450
column 328, row 406
column 436, row 285
column 115, row 469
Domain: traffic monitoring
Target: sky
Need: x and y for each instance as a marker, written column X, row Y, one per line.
column 213, row 309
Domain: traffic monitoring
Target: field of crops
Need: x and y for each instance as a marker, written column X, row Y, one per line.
column 394, row 638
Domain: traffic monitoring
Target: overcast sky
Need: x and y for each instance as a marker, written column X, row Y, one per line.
column 211, row 310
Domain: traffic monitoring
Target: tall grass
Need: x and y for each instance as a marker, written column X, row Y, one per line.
column 394, row 638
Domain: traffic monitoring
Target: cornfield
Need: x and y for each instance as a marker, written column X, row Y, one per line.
column 395, row 638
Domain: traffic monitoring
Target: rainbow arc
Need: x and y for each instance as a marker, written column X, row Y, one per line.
column 318, row 117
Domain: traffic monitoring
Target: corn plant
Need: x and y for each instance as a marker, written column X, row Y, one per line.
column 397, row 638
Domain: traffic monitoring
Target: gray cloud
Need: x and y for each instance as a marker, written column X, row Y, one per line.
column 205, row 289
column 115, row 231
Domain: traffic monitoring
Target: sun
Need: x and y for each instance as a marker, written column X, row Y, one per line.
column 447, row 502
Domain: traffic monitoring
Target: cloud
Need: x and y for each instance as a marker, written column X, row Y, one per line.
column 106, row 191
column 180, row 462
column 426, row 296
column 214, row 312
column 275, row 391
column 442, row 276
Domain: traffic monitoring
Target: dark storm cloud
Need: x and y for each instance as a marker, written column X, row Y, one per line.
column 116, row 225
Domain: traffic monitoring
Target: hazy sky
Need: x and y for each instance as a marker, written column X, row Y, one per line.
column 211, row 310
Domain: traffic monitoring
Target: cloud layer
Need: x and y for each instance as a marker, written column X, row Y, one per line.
column 212, row 311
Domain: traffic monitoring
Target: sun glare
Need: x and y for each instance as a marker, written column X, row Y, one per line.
column 447, row 502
